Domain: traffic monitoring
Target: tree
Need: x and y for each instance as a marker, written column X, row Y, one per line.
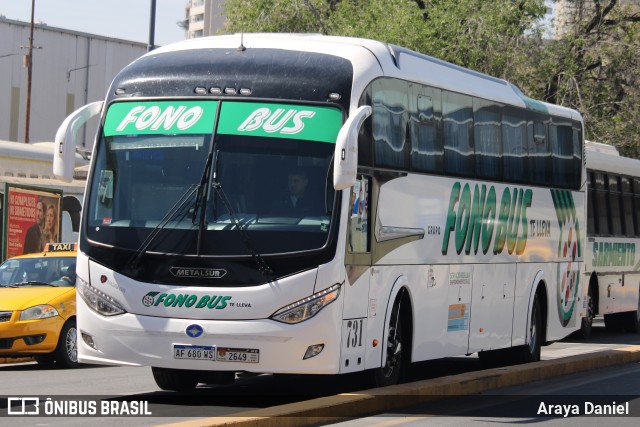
column 592, row 67
column 465, row 32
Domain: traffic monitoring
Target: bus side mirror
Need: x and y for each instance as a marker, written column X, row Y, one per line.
column 345, row 164
column 66, row 138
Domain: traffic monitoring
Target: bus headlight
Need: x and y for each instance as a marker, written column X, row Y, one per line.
column 100, row 302
column 306, row 308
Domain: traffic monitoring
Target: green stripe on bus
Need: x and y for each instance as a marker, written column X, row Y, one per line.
column 280, row 121
column 160, row 117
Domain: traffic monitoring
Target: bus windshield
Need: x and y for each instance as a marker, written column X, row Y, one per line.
column 261, row 177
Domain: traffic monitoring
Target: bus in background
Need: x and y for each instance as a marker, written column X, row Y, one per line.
column 612, row 263
column 443, row 212
column 35, row 160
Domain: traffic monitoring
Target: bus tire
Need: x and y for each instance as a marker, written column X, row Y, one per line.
column 391, row 372
column 66, row 352
column 530, row 352
column 493, row 358
column 632, row 323
column 586, row 325
column 613, row 322
column 175, row 379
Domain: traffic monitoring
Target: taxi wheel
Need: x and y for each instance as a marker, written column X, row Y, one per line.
column 66, row 353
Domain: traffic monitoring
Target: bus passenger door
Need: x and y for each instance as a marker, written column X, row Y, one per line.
column 492, row 306
column 357, row 307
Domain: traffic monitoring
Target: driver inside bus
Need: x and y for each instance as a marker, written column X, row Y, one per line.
column 297, row 200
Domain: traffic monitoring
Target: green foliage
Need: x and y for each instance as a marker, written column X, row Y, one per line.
column 593, row 67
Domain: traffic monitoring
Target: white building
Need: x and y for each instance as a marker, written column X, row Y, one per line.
column 204, row 17
column 70, row 69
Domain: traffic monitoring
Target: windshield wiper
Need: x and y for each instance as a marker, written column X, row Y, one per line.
column 262, row 265
column 31, row 283
column 168, row 217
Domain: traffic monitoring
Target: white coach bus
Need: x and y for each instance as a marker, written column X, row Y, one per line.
column 613, row 234
column 443, row 212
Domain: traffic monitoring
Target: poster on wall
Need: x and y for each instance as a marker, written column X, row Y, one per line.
column 32, row 219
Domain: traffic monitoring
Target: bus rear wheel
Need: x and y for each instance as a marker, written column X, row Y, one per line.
column 586, row 325
column 530, row 352
column 632, row 323
column 175, row 379
column 614, row 322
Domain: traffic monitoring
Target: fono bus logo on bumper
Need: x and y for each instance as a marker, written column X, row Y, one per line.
column 155, row 299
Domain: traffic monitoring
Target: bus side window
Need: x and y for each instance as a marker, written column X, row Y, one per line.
column 359, row 224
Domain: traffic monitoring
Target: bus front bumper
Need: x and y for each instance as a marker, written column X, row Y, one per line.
column 265, row 345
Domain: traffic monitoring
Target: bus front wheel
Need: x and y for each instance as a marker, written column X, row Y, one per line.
column 174, row 379
column 390, row 373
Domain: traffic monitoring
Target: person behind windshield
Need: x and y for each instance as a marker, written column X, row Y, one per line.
column 69, row 278
column 297, row 200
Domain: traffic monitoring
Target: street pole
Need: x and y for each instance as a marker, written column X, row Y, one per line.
column 29, row 73
column 152, row 27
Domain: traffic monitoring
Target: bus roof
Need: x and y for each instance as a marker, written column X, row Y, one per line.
column 373, row 59
column 606, row 158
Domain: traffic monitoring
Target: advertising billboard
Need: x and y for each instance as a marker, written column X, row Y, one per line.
column 32, row 219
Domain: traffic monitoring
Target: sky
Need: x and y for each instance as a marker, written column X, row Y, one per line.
column 122, row 19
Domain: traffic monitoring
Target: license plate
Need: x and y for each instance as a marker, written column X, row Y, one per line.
column 246, row 355
column 194, row 352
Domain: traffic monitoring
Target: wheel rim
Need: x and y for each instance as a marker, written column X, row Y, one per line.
column 590, row 309
column 533, row 331
column 71, row 344
column 394, row 349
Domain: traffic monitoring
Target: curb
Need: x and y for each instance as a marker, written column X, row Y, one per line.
column 376, row 401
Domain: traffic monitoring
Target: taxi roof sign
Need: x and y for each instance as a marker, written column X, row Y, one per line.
column 61, row 247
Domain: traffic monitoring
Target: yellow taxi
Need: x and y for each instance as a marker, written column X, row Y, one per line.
column 38, row 306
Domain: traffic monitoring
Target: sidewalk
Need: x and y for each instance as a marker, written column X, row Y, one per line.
column 332, row 409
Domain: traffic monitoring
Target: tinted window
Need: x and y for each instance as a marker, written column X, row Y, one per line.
column 636, row 207
column 627, row 207
column 427, row 152
column 487, row 139
column 390, row 123
column 615, row 202
column 561, row 139
column 539, row 154
column 514, row 143
column 458, row 134
column 591, row 206
column 601, row 204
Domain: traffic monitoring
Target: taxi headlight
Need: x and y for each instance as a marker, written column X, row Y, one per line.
column 98, row 301
column 306, row 308
column 43, row 311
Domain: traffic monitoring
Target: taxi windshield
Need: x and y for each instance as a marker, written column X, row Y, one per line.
column 38, row 271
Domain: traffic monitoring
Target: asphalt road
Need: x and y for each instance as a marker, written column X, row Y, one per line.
column 608, row 396
column 261, row 393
